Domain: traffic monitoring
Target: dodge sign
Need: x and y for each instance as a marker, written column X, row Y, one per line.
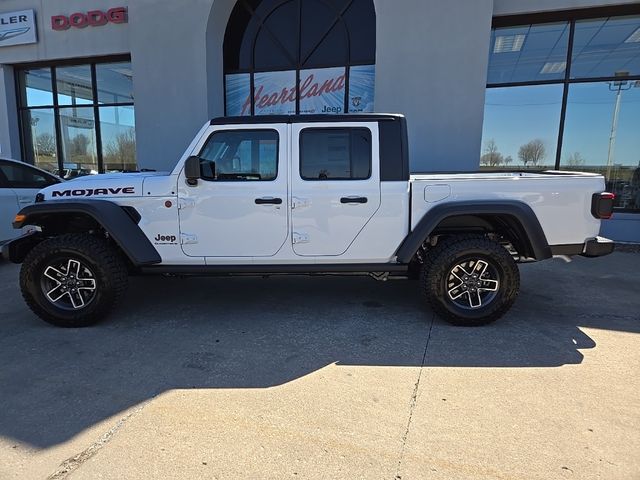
column 17, row 28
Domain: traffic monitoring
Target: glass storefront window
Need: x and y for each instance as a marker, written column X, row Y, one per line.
column 528, row 53
column 602, row 135
column 588, row 102
column 64, row 123
column 74, row 85
column 40, row 130
column 78, row 135
column 520, row 127
column 114, row 82
column 36, row 86
column 297, row 56
column 117, row 125
column 606, row 47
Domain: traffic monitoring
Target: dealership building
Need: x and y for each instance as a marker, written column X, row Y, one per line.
column 102, row 85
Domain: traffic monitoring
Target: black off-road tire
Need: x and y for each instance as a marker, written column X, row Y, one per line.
column 437, row 274
column 102, row 260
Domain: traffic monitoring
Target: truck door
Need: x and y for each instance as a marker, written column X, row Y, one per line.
column 239, row 206
column 335, row 185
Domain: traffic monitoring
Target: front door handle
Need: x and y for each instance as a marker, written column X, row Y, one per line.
column 268, row 201
column 353, row 200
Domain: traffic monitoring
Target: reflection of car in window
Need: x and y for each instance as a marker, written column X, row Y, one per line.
column 69, row 173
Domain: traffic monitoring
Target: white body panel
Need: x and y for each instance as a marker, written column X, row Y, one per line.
column 219, row 223
column 561, row 202
column 223, row 217
column 322, row 224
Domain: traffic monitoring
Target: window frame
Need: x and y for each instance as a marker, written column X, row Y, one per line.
column 347, row 129
column 571, row 16
column 240, row 130
column 95, row 105
column 298, row 65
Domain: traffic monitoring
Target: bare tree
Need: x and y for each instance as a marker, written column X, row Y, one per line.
column 492, row 157
column 79, row 145
column 507, row 160
column 532, row 152
column 122, row 151
column 575, row 160
column 46, row 145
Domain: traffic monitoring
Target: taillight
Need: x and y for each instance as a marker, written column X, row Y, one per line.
column 602, row 205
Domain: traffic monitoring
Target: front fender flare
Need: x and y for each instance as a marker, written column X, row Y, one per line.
column 115, row 221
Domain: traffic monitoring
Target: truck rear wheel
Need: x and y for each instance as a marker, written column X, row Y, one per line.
column 73, row 280
column 470, row 281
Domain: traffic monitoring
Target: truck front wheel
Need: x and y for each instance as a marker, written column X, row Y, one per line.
column 73, row 280
column 470, row 281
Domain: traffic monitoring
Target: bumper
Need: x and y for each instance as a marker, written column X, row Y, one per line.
column 17, row 249
column 594, row 247
column 598, row 247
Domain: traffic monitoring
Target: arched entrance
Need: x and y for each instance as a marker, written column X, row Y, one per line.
column 300, row 56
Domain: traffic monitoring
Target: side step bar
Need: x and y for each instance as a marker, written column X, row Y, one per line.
column 295, row 269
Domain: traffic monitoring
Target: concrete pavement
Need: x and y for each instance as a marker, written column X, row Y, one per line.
column 328, row 378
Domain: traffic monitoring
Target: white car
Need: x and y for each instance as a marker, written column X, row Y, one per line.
column 19, row 184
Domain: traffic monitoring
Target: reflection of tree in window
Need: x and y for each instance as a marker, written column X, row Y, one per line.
column 46, row 145
column 79, row 144
column 532, row 153
column 492, row 157
column 575, row 160
column 121, row 152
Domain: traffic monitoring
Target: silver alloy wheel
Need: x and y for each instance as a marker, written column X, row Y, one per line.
column 68, row 284
column 472, row 283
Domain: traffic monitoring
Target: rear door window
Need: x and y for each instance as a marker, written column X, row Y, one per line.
column 335, row 154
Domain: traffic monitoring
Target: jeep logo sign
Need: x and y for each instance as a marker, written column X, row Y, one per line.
column 17, row 28
column 94, row 18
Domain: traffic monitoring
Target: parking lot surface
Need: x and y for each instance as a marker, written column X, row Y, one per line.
column 297, row 377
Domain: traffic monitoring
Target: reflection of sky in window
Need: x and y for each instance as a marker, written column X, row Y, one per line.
column 588, row 124
column 45, row 121
column 36, row 97
column 123, row 116
column 515, row 116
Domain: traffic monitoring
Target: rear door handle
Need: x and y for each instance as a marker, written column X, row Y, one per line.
column 353, row 200
column 268, row 201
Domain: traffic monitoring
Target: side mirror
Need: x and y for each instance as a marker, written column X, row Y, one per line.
column 192, row 170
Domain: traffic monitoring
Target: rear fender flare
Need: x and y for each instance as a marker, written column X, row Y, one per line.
column 535, row 237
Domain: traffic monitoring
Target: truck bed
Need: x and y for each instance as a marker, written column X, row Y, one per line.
column 561, row 200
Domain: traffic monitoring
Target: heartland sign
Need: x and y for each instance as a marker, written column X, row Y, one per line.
column 17, row 28
column 94, row 18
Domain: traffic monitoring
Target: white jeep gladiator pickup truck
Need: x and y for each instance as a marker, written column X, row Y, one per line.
column 303, row 195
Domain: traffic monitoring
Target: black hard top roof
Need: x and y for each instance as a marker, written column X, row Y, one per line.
column 260, row 119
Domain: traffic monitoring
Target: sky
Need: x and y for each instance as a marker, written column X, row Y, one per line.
column 517, row 115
